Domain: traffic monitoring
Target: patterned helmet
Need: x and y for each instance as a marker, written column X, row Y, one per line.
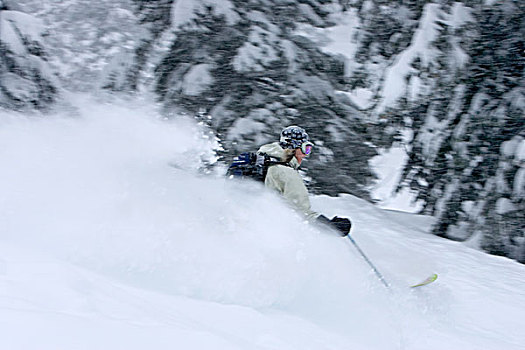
column 293, row 137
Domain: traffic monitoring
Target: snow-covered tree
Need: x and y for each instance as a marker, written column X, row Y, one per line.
column 461, row 95
column 443, row 78
column 131, row 66
column 26, row 80
column 387, row 29
column 494, row 128
column 244, row 65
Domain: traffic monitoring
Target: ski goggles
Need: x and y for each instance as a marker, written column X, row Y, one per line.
column 307, row 148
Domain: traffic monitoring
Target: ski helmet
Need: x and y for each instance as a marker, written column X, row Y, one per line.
column 293, row 137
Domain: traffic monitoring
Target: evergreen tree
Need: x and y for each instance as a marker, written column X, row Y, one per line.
column 26, row 80
column 457, row 164
column 497, row 129
column 386, row 30
column 244, row 65
column 127, row 68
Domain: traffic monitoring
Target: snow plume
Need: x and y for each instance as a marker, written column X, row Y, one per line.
column 115, row 189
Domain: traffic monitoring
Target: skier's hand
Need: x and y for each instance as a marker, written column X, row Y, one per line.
column 343, row 225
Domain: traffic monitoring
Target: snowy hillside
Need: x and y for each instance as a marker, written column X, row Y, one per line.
column 110, row 239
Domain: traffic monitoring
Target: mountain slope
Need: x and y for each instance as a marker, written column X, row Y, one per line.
column 111, row 239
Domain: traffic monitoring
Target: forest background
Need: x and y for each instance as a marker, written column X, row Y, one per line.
column 436, row 87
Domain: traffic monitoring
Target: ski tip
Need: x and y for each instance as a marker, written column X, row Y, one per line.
column 429, row 280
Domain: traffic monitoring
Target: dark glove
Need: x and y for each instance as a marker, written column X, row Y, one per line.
column 341, row 225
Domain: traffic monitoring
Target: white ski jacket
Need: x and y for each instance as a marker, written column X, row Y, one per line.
column 287, row 181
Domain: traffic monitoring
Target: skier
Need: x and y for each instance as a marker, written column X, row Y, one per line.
column 293, row 147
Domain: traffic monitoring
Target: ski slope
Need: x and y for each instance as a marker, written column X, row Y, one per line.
column 110, row 239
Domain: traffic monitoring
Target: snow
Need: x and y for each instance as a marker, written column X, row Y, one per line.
column 112, row 239
column 388, row 166
column 519, row 183
column 514, row 149
column 184, row 11
column 309, row 13
column 20, row 88
column 504, row 205
column 12, row 23
column 338, row 39
column 520, row 152
column 460, row 15
column 84, row 35
column 427, row 32
column 197, row 79
column 361, row 97
column 415, row 86
column 258, row 52
column 422, row 47
column 251, row 126
column 290, row 52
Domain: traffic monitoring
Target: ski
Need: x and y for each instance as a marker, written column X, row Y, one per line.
column 429, row 280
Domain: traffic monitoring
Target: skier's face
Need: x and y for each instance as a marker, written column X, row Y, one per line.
column 299, row 155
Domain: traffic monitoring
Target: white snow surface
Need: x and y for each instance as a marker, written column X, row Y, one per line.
column 110, row 239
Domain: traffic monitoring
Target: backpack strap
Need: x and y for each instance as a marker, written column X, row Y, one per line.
column 271, row 161
column 253, row 165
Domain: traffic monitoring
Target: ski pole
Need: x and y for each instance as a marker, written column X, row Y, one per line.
column 378, row 274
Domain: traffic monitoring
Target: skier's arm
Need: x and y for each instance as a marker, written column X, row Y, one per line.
column 289, row 183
